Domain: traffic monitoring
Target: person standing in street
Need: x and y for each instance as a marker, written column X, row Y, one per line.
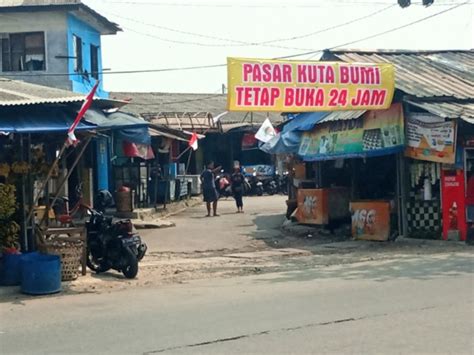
column 237, row 183
column 209, row 188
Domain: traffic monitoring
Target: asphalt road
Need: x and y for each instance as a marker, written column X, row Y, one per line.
column 419, row 304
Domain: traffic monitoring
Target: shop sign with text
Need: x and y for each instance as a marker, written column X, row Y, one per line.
column 431, row 141
column 305, row 86
column 375, row 133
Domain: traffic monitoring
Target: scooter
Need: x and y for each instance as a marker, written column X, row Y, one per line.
column 112, row 245
column 223, row 185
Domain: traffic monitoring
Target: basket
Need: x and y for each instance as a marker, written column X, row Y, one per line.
column 70, row 253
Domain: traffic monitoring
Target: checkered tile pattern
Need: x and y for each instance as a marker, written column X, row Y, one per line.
column 372, row 139
column 424, row 215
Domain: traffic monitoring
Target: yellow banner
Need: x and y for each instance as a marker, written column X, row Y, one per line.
column 305, row 86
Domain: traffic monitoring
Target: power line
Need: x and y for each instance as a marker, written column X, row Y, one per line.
column 379, row 33
column 199, row 43
column 242, row 43
column 223, row 65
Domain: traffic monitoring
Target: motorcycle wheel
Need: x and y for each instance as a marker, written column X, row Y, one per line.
column 131, row 268
column 260, row 192
column 96, row 265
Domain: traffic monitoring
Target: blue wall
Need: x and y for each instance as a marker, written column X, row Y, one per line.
column 80, row 84
column 89, row 36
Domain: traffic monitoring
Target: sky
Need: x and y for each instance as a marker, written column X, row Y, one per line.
column 181, row 33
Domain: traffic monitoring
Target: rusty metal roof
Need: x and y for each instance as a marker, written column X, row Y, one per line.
column 20, row 93
column 421, row 74
column 341, row 116
column 183, row 121
column 464, row 110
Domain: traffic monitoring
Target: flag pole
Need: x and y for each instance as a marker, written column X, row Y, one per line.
column 46, row 180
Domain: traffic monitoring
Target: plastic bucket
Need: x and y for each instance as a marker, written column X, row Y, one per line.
column 41, row 274
column 10, row 271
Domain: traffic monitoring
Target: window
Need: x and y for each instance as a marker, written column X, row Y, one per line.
column 23, row 51
column 95, row 62
column 77, row 49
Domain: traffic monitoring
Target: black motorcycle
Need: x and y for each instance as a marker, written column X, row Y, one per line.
column 112, row 245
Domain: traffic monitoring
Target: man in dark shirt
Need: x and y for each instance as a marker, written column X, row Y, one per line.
column 209, row 188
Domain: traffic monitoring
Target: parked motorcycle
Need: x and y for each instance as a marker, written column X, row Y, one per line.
column 112, row 245
column 255, row 185
column 282, row 182
column 270, row 186
column 223, row 185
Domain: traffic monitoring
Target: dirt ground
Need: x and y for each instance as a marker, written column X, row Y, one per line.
column 258, row 241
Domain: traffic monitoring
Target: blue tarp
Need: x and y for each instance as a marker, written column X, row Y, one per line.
column 304, row 121
column 283, row 143
column 38, row 122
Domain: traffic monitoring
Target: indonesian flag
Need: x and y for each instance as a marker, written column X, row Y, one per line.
column 85, row 106
column 193, row 141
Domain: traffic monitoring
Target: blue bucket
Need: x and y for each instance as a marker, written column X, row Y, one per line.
column 10, row 271
column 41, row 274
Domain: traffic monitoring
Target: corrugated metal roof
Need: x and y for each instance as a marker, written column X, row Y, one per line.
column 156, row 102
column 464, row 110
column 183, row 121
column 79, row 8
column 422, row 73
column 19, row 93
column 341, row 116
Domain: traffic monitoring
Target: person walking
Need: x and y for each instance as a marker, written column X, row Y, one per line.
column 209, row 188
column 237, row 184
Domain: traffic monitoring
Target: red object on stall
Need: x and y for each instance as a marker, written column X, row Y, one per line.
column 454, row 207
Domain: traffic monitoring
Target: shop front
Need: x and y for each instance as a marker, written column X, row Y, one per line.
column 357, row 167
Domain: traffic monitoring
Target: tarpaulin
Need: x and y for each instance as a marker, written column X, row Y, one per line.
column 283, row 143
column 304, row 121
column 40, row 122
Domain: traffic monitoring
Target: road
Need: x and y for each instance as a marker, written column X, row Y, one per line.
column 420, row 304
column 230, row 231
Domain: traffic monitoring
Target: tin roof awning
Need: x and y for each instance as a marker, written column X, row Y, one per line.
column 463, row 110
column 308, row 120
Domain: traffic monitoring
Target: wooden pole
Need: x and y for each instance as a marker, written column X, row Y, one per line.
column 63, row 181
column 46, row 180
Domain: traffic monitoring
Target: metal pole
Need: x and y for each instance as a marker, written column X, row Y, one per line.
column 23, row 200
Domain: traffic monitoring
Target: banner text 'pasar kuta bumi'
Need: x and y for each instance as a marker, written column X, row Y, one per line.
column 304, row 86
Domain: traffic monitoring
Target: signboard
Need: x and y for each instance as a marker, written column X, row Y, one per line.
column 249, row 141
column 370, row 220
column 453, row 199
column 375, row 133
column 305, row 86
column 312, row 206
column 258, row 170
column 431, row 141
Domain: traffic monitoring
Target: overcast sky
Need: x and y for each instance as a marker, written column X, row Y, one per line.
column 153, row 35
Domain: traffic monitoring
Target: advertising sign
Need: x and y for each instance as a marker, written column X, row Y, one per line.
column 375, row 133
column 312, row 206
column 453, row 199
column 305, row 86
column 431, row 141
column 249, row 141
column 370, row 220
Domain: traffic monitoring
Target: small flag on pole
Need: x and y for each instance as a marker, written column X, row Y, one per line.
column 266, row 131
column 72, row 140
column 193, row 141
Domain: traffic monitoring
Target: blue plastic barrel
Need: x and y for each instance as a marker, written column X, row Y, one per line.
column 10, row 274
column 40, row 274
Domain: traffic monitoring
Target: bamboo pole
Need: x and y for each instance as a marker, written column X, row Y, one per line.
column 63, row 181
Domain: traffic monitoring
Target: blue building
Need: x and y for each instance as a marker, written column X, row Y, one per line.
column 56, row 43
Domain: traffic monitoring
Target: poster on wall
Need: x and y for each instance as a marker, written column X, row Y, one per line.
column 306, row 86
column 453, row 200
column 370, row 220
column 312, row 206
column 434, row 142
column 375, row 133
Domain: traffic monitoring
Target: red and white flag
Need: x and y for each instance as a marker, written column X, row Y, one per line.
column 85, row 106
column 193, row 141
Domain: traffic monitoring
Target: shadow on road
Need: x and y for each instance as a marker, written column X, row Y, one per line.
column 415, row 267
